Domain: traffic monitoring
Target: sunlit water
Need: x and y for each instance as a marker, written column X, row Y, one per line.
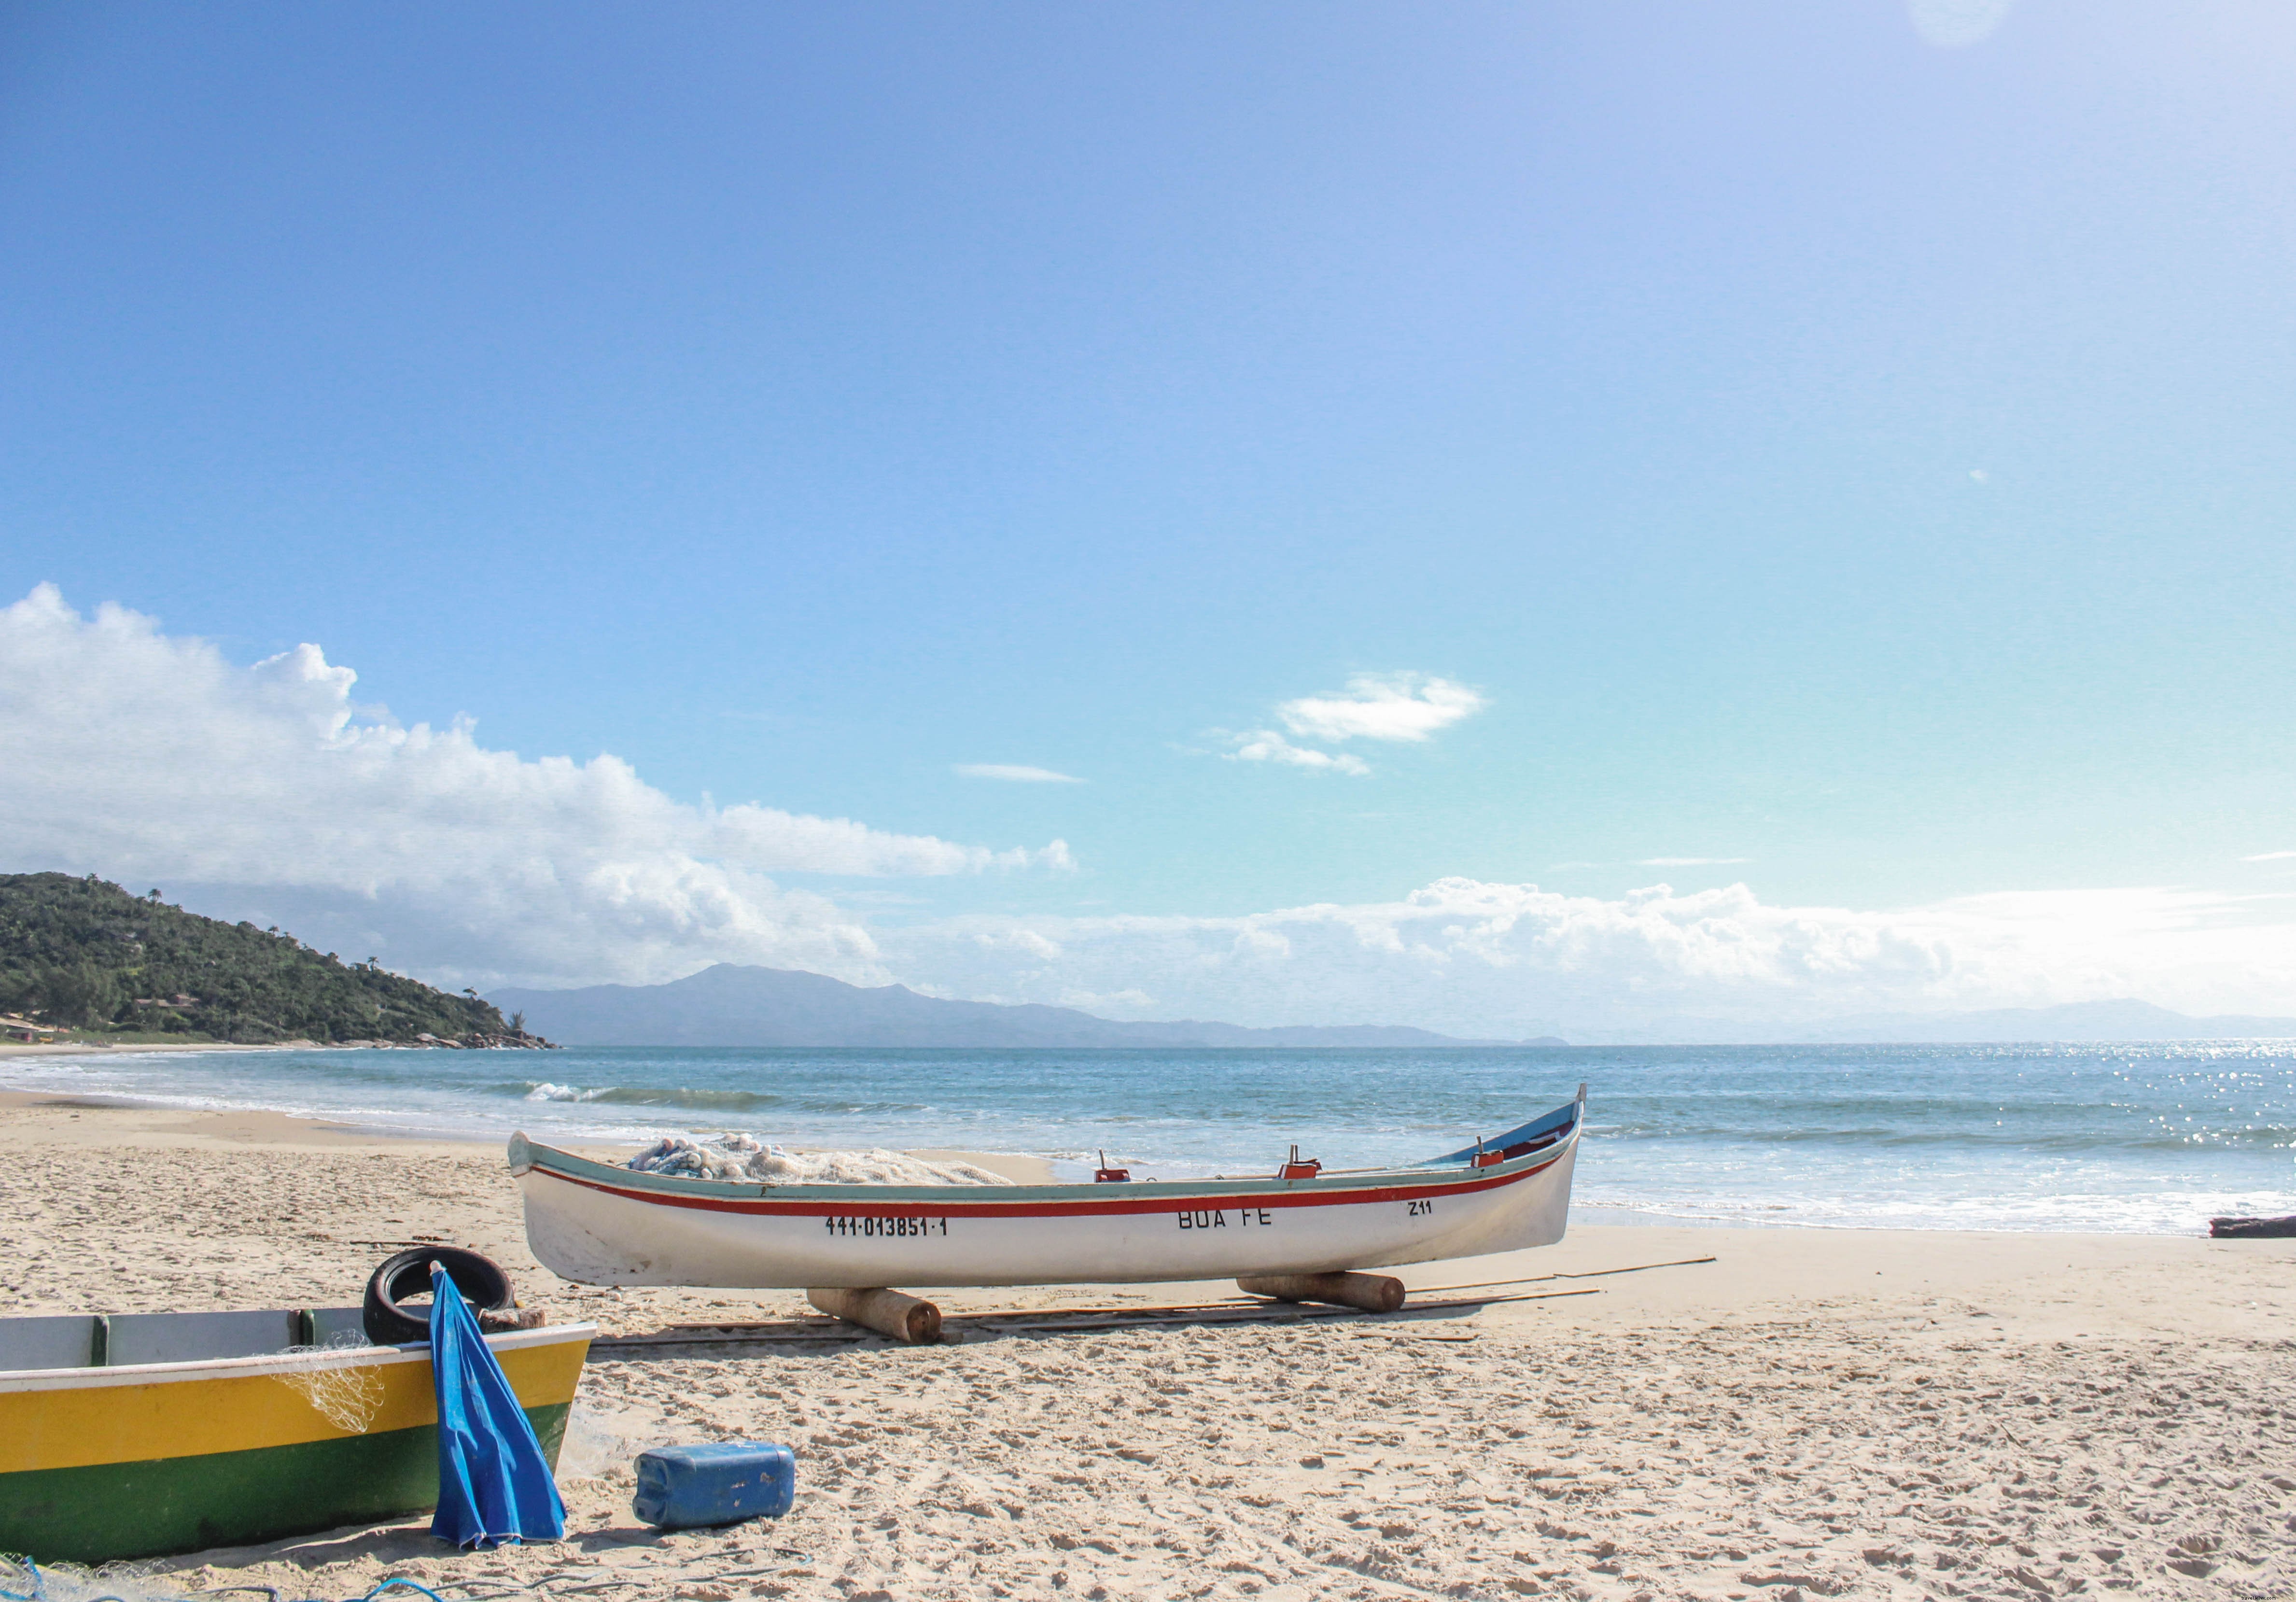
column 2101, row 1138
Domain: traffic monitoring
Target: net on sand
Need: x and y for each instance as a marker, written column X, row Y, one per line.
column 22, row 1580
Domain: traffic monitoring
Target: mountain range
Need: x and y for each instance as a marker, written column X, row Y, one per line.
column 729, row 1004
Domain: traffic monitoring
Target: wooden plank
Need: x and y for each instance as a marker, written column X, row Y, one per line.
column 1056, row 1319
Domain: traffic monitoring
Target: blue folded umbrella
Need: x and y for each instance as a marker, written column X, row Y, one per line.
column 494, row 1482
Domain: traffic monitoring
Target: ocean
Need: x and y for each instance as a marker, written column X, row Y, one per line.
column 2121, row 1138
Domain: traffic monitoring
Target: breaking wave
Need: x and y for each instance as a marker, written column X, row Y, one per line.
column 2122, row 1138
column 645, row 1096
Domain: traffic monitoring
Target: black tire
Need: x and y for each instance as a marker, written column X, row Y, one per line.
column 483, row 1284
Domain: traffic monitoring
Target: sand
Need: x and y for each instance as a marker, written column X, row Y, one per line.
column 1813, row 1414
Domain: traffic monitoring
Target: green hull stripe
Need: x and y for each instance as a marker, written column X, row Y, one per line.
column 171, row 1505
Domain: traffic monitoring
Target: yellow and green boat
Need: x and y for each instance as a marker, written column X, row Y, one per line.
column 138, row 1434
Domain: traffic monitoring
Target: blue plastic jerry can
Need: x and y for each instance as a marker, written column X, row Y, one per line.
column 680, row 1487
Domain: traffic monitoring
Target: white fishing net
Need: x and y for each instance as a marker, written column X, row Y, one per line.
column 23, row 1581
column 864, row 1168
column 347, row 1395
column 738, row 1156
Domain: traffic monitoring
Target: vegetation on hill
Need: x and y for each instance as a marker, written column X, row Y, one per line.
column 88, row 954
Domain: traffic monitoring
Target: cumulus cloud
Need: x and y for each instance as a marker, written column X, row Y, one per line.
column 152, row 758
column 1117, row 1001
column 1394, row 706
column 1481, row 960
column 1016, row 773
column 268, row 792
column 2271, row 857
column 1014, row 937
column 1265, row 745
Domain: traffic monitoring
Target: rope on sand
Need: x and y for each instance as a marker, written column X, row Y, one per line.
column 1640, row 1268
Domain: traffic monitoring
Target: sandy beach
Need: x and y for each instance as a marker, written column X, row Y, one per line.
column 1812, row 1413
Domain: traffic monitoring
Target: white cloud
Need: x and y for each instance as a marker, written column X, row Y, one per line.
column 153, row 758
column 1953, row 24
column 1117, row 1001
column 1015, row 773
column 1026, row 941
column 1396, row 706
column 1691, row 862
column 1265, row 745
column 267, row 793
column 2271, row 857
column 1507, row 960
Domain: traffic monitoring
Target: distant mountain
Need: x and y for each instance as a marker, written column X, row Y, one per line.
column 732, row 1005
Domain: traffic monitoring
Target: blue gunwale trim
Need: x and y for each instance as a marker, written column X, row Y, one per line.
column 1560, row 1122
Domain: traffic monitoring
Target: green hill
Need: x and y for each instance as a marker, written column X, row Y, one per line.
column 85, row 954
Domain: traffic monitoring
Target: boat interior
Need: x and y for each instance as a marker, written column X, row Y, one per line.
column 1537, row 1135
column 118, row 1340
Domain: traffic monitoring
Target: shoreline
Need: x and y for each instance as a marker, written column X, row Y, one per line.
column 37, row 1118
column 65, row 1049
column 14, row 1097
column 1784, row 1264
column 1022, row 1167
column 2112, row 1147
column 89, row 1048
column 283, row 1126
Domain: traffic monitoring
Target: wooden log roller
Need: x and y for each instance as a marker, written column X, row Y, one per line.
column 1373, row 1293
column 904, row 1318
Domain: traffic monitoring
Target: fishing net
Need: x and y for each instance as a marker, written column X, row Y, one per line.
column 347, row 1395
column 738, row 1156
column 22, row 1580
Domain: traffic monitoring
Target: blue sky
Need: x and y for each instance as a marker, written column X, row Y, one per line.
column 1858, row 460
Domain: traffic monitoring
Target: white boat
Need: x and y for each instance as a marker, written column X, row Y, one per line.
column 599, row 1224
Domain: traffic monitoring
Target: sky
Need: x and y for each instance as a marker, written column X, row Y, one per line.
column 1510, row 519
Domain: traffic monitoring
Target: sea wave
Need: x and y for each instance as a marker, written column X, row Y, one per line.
column 2124, row 1139
column 2154, row 1135
column 648, row 1096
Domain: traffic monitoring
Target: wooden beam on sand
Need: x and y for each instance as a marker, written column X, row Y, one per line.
column 1233, row 1309
column 1639, row 1268
column 1048, row 1321
column 1373, row 1293
column 904, row 1319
